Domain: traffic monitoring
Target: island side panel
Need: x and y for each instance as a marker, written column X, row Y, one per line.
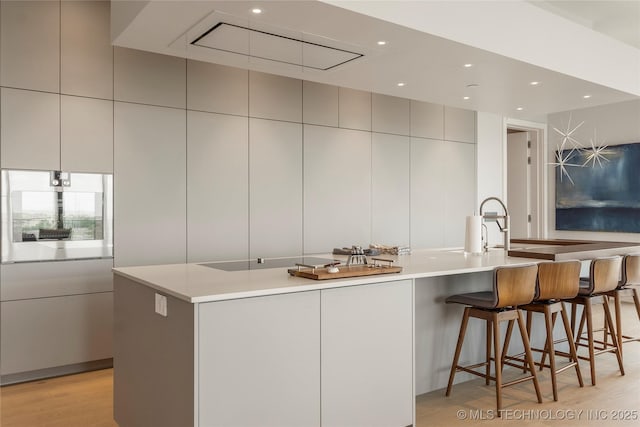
column 153, row 358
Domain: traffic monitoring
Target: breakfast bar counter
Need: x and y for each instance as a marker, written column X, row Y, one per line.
column 199, row 345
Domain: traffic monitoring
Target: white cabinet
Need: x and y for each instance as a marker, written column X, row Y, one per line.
column 443, row 192
column 275, row 97
column 51, row 332
column 275, row 190
column 217, row 194
column 149, row 78
column 427, row 120
column 337, row 188
column 354, row 109
column 319, row 104
column 86, row 54
column 149, row 185
column 367, row 355
column 459, row 125
column 390, row 194
column 428, row 192
column 86, row 134
column 260, row 361
column 461, row 191
column 390, row 114
column 217, row 88
column 30, row 45
column 30, row 129
column 21, row 281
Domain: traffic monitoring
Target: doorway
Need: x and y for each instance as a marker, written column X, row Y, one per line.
column 525, row 180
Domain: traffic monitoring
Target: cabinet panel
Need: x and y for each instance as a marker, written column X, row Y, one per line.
column 217, row 205
column 367, row 355
column 30, row 129
column 30, row 45
column 86, row 54
column 275, row 97
column 320, row 104
column 390, row 189
column 427, row 120
column 49, row 332
column 149, row 78
column 337, row 188
column 459, row 125
column 86, row 134
column 428, row 191
column 275, row 188
column 149, row 185
column 217, row 88
column 47, row 279
column 390, row 114
column 263, row 354
column 354, row 109
column 460, row 191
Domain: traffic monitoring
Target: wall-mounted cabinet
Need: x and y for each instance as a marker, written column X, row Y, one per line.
column 149, row 78
column 86, row 134
column 390, row 114
column 459, row 125
column 217, row 89
column 30, row 129
column 320, row 104
column 86, row 53
column 275, row 188
column 30, row 45
column 150, row 185
column 390, row 189
column 354, row 110
column 337, row 188
column 275, row 97
column 217, row 194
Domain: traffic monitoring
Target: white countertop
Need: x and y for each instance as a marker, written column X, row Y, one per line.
column 196, row 283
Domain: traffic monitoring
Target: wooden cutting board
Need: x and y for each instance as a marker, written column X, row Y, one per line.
column 344, row 271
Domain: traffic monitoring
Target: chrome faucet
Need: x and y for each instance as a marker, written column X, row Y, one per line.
column 504, row 228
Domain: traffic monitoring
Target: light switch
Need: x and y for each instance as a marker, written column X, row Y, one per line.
column 161, row 305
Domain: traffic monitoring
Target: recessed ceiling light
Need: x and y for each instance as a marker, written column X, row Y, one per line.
column 534, row 83
column 401, row 84
column 519, row 108
column 468, row 65
column 382, row 42
column 587, row 96
column 465, row 98
column 256, row 11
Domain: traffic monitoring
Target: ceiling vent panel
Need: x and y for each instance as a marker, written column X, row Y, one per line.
column 227, row 37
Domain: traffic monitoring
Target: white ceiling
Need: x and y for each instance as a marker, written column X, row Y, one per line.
column 509, row 43
column 617, row 19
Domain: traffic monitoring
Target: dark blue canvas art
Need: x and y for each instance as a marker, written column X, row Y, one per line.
column 605, row 192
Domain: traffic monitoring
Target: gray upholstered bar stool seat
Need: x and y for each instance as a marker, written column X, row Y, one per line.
column 628, row 287
column 604, row 275
column 556, row 281
column 512, row 286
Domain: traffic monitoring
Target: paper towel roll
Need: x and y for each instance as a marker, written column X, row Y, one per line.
column 473, row 235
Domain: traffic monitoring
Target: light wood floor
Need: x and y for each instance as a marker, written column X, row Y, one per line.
column 85, row 400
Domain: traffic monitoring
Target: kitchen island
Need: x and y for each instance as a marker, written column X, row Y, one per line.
column 259, row 347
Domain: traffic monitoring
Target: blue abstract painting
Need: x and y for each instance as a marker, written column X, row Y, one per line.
column 601, row 193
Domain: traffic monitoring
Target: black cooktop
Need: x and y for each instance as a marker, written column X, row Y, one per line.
column 268, row 263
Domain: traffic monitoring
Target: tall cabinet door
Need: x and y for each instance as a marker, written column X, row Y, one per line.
column 367, row 355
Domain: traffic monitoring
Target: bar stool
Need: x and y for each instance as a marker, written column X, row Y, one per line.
column 512, row 286
column 603, row 277
column 628, row 287
column 556, row 281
